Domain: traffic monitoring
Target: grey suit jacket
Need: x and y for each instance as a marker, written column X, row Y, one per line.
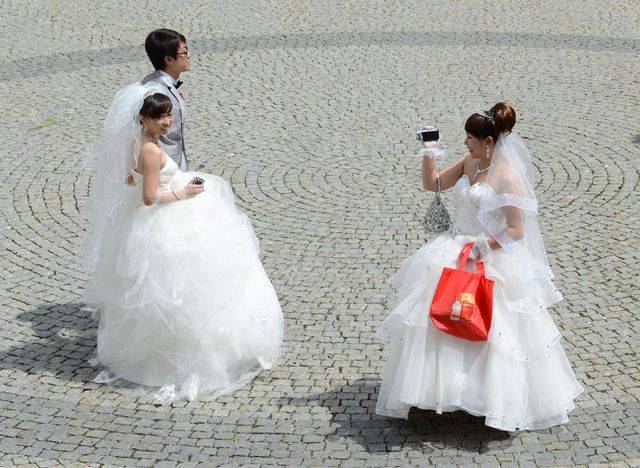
column 172, row 142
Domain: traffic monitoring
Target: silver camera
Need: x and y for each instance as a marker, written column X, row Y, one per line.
column 429, row 138
column 428, row 133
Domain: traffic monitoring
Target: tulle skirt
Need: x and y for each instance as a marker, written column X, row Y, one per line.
column 519, row 379
column 184, row 301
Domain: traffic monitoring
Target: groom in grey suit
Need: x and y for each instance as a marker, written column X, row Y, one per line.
column 170, row 56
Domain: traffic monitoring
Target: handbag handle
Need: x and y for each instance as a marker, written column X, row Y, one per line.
column 464, row 256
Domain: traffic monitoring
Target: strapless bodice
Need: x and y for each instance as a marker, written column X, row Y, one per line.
column 468, row 199
column 167, row 172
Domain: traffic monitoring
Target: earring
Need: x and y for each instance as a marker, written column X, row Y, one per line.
column 145, row 129
column 487, row 153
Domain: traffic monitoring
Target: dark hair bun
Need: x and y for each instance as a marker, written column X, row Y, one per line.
column 504, row 118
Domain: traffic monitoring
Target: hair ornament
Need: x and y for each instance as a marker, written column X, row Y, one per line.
column 486, row 114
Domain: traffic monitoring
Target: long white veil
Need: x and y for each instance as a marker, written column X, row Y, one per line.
column 511, row 178
column 113, row 156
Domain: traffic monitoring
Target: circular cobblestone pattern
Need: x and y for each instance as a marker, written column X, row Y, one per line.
column 308, row 109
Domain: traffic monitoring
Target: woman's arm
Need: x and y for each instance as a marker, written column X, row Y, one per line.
column 514, row 230
column 448, row 176
column 153, row 159
column 515, row 222
column 514, row 217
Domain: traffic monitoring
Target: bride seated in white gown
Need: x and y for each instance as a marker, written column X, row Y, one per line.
column 183, row 300
column 520, row 377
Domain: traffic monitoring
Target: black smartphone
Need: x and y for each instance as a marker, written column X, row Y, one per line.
column 197, row 181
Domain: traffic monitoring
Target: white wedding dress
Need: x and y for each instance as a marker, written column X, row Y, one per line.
column 519, row 379
column 184, row 301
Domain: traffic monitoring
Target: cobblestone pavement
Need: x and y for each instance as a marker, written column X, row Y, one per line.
column 308, row 109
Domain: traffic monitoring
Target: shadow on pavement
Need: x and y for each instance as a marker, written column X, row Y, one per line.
column 28, row 67
column 65, row 339
column 353, row 415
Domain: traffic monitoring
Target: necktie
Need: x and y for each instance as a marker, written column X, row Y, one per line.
column 178, row 84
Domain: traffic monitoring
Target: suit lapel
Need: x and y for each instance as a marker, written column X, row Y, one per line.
column 178, row 99
column 174, row 92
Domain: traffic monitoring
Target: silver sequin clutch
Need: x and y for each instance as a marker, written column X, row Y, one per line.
column 437, row 218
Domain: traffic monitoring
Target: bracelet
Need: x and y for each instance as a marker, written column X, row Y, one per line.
column 174, row 194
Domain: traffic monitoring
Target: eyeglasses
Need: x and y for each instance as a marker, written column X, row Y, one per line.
column 185, row 52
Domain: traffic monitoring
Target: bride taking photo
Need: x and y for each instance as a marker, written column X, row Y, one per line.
column 183, row 300
column 511, row 369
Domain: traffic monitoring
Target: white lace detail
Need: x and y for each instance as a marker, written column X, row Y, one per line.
column 507, row 199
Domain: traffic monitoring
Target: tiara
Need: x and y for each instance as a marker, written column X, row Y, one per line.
column 486, row 114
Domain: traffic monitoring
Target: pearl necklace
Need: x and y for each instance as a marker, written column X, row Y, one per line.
column 480, row 171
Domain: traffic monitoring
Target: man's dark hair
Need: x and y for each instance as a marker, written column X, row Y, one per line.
column 160, row 43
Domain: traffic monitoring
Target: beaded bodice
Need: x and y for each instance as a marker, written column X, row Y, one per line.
column 468, row 198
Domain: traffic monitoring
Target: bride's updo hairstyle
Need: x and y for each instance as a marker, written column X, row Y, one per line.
column 501, row 118
column 155, row 106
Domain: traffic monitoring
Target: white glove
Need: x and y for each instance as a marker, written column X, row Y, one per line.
column 432, row 153
column 481, row 249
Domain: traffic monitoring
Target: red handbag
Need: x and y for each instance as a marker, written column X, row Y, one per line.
column 462, row 305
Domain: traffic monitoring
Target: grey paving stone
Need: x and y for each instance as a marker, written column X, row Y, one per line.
column 332, row 189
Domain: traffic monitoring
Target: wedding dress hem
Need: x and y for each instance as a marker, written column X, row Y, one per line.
column 494, row 421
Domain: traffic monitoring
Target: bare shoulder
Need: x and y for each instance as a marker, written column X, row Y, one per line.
column 151, row 154
column 466, row 157
column 508, row 179
column 150, row 149
column 468, row 163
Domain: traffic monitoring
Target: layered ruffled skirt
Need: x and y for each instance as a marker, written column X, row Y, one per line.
column 519, row 379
